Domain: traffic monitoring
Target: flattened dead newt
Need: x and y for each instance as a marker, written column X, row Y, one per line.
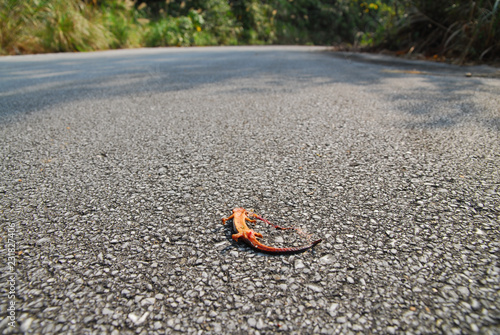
column 249, row 236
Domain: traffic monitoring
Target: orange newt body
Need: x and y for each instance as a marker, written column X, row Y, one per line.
column 249, row 236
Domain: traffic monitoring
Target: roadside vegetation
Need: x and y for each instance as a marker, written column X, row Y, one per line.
column 458, row 31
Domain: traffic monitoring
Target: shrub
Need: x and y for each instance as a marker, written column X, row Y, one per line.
column 220, row 22
column 324, row 22
column 465, row 30
column 256, row 19
column 120, row 18
column 170, row 31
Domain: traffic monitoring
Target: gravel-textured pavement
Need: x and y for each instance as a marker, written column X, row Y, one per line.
column 117, row 167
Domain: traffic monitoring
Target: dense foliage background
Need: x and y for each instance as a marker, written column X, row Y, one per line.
column 445, row 29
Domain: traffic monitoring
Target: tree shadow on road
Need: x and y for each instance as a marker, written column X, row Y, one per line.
column 38, row 83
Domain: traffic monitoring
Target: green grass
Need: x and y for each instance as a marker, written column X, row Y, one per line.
column 71, row 26
column 36, row 26
column 17, row 18
column 33, row 26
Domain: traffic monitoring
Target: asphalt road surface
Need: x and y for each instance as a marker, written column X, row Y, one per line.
column 117, row 167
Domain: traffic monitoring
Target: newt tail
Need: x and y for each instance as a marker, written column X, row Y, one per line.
column 249, row 236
